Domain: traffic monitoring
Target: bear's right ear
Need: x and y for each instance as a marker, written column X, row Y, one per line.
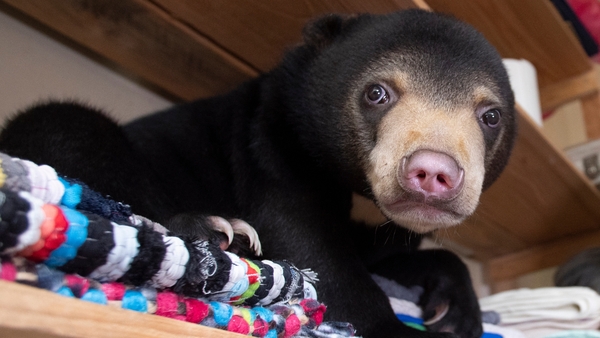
column 322, row 31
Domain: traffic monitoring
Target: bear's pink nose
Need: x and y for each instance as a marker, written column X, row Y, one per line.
column 432, row 174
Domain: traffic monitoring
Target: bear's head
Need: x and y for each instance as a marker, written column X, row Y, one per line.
column 413, row 110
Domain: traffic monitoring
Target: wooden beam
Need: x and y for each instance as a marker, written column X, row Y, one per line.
column 144, row 40
column 590, row 105
column 540, row 256
column 556, row 94
column 27, row 310
column 260, row 31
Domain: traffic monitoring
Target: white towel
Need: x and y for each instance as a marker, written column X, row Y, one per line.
column 531, row 310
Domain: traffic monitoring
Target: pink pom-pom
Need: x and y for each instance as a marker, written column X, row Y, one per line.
column 113, row 290
column 196, row 310
column 8, row 272
column 78, row 285
column 261, row 328
column 238, row 324
column 167, row 304
column 314, row 310
column 292, row 325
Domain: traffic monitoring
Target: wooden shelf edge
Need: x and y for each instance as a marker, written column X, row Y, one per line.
column 26, row 310
column 540, row 257
column 554, row 95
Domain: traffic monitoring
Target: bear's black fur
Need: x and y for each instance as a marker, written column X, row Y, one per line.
column 285, row 152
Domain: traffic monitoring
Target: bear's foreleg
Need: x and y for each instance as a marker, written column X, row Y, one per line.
column 449, row 302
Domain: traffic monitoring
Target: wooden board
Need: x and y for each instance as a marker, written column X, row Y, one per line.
column 590, row 105
column 539, row 197
column 259, row 31
column 539, row 257
column 146, row 41
column 554, row 95
column 27, row 311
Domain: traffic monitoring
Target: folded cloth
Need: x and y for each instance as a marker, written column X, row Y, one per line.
column 409, row 313
column 534, row 311
column 403, row 301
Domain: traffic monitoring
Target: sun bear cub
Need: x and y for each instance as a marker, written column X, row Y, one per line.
column 412, row 110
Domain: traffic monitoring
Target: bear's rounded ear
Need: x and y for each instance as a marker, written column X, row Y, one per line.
column 322, row 31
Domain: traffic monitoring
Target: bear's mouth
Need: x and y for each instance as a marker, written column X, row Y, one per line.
column 432, row 207
column 422, row 215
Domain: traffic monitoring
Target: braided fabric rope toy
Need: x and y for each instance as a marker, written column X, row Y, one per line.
column 65, row 225
column 298, row 317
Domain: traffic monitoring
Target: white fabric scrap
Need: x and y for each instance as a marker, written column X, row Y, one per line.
column 405, row 307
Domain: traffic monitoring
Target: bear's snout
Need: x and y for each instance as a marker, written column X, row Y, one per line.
column 428, row 174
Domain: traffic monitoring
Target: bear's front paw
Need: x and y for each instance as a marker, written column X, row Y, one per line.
column 452, row 308
column 448, row 300
column 233, row 235
column 244, row 238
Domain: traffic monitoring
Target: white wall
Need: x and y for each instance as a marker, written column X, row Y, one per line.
column 35, row 67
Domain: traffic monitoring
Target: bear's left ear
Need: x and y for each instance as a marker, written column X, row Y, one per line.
column 321, row 32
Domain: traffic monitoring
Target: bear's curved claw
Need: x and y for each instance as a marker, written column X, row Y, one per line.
column 240, row 227
column 222, row 225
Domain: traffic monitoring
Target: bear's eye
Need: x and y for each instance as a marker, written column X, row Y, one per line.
column 491, row 118
column 376, row 94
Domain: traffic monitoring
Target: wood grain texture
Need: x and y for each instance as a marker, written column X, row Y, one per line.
column 259, row 31
column 547, row 255
column 559, row 93
column 539, row 197
column 590, row 105
column 528, row 29
column 26, row 310
column 146, row 41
